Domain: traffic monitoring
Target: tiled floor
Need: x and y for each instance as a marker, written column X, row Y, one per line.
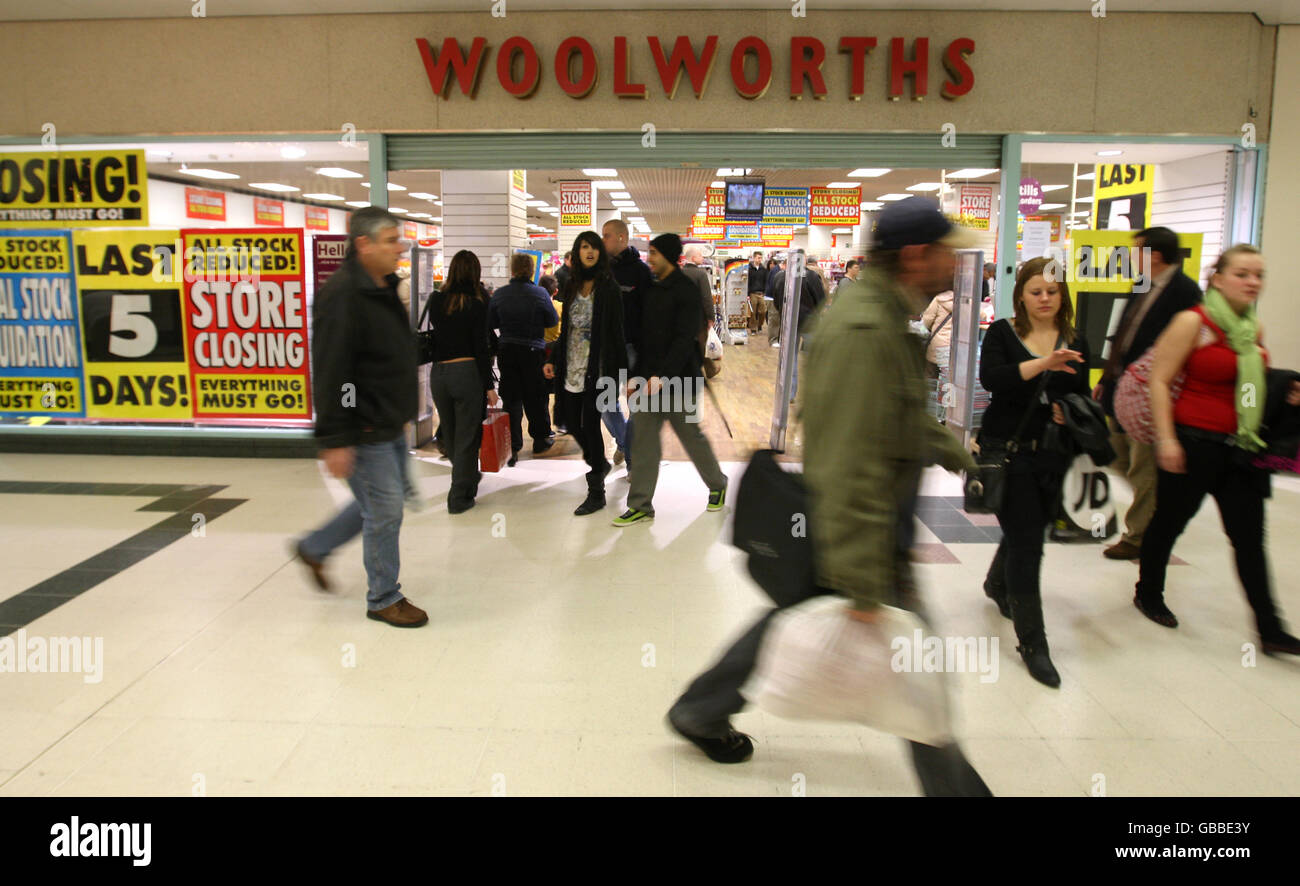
column 556, row 644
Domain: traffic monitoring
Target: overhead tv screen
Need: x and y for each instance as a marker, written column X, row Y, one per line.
column 745, row 199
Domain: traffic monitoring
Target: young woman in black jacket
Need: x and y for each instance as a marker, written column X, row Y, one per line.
column 1016, row 353
column 588, row 356
column 460, row 378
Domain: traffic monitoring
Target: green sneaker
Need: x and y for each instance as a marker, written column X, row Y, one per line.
column 718, row 499
column 632, row 515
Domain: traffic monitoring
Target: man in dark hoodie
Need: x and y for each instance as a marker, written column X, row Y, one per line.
column 667, row 383
column 365, row 391
column 634, row 278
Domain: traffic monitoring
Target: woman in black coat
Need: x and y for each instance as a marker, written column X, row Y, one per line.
column 588, row 357
column 1041, row 338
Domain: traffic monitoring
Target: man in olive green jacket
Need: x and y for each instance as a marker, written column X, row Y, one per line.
column 867, row 437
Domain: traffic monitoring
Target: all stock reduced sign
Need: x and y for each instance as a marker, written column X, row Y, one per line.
column 835, row 206
column 40, row 354
column 247, row 325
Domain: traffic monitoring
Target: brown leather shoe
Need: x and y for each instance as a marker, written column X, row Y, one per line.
column 316, row 566
column 1123, row 550
column 400, row 615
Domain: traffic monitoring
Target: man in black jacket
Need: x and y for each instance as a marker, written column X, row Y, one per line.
column 757, row 284
column 635, row 279
column 1164, row 291
column 365, row 391
column 523, row 312
column 667, row 383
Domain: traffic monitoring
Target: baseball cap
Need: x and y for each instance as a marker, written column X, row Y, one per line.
column 917, row 221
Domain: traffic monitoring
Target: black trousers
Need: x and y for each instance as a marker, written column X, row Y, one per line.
column 1217, row 469
column 461, row 400
column 583, row 421
column 1030, row 503
column 523, row 390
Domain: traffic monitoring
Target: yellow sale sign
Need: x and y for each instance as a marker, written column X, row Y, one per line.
column 73, row 188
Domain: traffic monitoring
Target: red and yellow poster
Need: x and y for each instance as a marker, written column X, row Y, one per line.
column 268, row 212
column 205, row 205
column 247, row 325
column 835, row 206
column 318, row 217
column 71, row 187
column 576, row 204
column 133, row 325
column 716, row 206
column 975, row 207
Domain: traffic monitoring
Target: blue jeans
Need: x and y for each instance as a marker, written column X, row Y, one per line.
column 377, row 481
column 620, row 428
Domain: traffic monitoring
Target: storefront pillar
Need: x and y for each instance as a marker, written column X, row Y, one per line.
column 1009, row 206
column 484, row 212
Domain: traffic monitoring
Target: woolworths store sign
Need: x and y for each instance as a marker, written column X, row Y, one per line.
column 846, row 67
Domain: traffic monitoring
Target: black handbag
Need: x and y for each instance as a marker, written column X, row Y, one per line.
column 424, row 338
column 986, row 487
column 771, row 526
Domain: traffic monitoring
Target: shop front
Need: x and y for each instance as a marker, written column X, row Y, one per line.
column 161, row 257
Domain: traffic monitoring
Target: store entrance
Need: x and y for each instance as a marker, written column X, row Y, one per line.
column 826, row 212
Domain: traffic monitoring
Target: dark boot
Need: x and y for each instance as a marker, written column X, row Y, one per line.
column 1027, row 613
column 594, row 502
column 995, row 583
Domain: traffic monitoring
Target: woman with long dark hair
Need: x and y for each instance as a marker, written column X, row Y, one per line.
column 461, row 375
column 588, row 356
column 1040, row 339
column 1207, row 439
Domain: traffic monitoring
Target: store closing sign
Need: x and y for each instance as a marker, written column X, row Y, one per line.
column 576, row 66
column 133, row 325
column 83, row 187
column 975, row 207
column 575, row 204
column 835, row 206
column 40, row 355
column 247, row 325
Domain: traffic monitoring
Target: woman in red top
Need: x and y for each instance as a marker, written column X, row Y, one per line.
column 1205, row 442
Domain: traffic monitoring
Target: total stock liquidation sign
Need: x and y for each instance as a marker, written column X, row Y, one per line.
column 143, row 325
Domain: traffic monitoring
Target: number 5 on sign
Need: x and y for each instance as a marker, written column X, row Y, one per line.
column 130, row 314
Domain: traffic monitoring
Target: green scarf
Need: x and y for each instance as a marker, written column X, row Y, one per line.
column 1242, row 331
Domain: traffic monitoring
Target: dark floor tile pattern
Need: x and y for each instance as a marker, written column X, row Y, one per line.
column 182, row 502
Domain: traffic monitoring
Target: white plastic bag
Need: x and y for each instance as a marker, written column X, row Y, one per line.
column 816, row 663
column 713, row 350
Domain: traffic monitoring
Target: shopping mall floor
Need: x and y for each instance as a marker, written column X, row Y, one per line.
column 556, row 644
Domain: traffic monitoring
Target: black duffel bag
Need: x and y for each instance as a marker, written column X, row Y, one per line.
column 771, row 526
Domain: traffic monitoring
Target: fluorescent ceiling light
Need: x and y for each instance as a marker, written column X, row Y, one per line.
column 272, row 186
column 845, row 185
column 1046, row 188
column 870, row 206
column 608, row 173
column 395, row 209
column 208, row 173
column 419, row 215
column 971, row 173
column 536, row 203
column 718, row 184
column 894, row 196
column 322, row 196
column 620, row 195
column 925, row 186
column 1087, row 176
column 1109, row 153
column 869, row 173
column 437, row 202
column 1087, row 199
column 289, row 152
column 437, row 218
column 609, row 185
column 1051, row 206
column 1082, row 212
column 359, row 204
column 625, row 204
column 737, row 172
column 552, row 211
column 337, row 172
column 423, row 195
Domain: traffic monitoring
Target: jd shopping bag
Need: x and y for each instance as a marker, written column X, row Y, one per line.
column 815, row 663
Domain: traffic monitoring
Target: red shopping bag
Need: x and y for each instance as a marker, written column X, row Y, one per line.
column 494, row 451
